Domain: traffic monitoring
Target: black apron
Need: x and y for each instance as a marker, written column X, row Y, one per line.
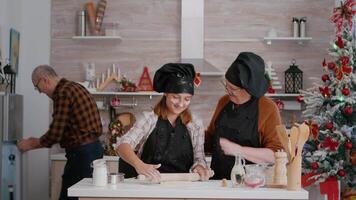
column 238, row 124
column 169, row 146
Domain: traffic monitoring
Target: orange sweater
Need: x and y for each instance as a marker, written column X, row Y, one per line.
column 268, row 119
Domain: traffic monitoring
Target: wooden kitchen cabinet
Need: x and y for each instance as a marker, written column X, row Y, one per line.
column 58, row 162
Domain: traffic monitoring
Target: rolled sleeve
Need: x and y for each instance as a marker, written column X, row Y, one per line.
column 137, row 133
column 197, row 135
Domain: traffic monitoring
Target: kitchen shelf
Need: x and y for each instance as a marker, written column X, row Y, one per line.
column 281, row 95
column 300, row 40
column 129, row 94
column 96, row 38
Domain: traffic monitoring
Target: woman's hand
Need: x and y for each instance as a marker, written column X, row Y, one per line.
column 230, row 148
column 204, row 173
column 150, row 171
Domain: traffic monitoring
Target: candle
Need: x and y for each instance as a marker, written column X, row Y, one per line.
column 113, row 69
column 97, row 82
column 102, row 78
column 109, row 72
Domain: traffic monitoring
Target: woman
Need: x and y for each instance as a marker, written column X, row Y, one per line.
column 244, row 120
column 168, row 139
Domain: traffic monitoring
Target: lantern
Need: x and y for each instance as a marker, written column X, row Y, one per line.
column 293, row 79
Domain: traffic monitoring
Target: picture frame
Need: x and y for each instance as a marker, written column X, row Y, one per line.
column 14, row 50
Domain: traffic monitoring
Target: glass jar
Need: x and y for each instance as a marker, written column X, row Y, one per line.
column 255, row 175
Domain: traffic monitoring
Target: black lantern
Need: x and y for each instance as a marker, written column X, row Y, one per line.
column 293, row 79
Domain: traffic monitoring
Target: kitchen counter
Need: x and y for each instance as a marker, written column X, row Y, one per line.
column 132, row 188
column 61, row 156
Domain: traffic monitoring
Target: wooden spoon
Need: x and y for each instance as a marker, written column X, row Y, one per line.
column 303, row 137
column 283, row 137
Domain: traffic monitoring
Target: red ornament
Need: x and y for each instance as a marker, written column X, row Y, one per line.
column 345, row 91
column 331, row 65
column 325, row 77
column 340, row 43
column 329, row 125
column 280, row 104
column 345, row 60
column 329, row 143
column 197, row 80
column 300, row 99
column 325, row 91
column 271, row 90
column 346, row 69
column 315, row 130
column 341, row 173
column 314, row 166
column 348, row 110
column 348, row 144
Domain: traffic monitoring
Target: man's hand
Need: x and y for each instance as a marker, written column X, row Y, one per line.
column 28, row 144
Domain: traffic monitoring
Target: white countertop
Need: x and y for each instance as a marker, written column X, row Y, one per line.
column 61, row 156
column 210, row 190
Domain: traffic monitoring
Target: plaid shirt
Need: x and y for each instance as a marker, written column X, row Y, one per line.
column 76, row 118
column 139, row 133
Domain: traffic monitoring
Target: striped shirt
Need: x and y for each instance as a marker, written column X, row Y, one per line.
column 139, row 133
column 75, row 118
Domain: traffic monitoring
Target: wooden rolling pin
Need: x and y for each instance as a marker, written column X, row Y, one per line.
column 165, row 177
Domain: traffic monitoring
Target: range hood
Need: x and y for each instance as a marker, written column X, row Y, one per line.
column 192, row 41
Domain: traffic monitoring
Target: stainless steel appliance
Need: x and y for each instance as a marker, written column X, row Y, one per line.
column 11, row 122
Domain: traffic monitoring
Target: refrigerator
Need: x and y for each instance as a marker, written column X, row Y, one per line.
column 11, row 123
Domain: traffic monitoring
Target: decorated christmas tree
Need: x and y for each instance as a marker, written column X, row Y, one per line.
column 331, row 107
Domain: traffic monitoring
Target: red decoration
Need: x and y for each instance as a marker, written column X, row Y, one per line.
column 315, row 130
column 345, row 11
column 325, row 77
column 145, row 83
column 345, row 60
column 340, row 43
column 331, row 188
column 329, row 143
column 346, row 69
column 271, row 90
column 348, row 144
column 197, row 80
column 324, row 63
column 331, row 65
column 314, row 165
column 345, row 91
column 341, row 173
column 300, row 98
column 348, row 110
column 325, row 91
column 280, row 104
column 329, row 125
column 115, row 101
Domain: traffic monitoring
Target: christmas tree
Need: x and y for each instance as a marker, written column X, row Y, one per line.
column 331, row 107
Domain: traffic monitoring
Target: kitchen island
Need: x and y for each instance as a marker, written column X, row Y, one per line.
column 133, row 189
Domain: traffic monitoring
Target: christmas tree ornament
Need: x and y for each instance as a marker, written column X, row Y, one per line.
column 345, row 91
column 348, row 144
column 314, row 166
column 329, row 125
column 348, row 110
column 293, row 79
column 341, row 173
column 325, row 78
column 331, row 66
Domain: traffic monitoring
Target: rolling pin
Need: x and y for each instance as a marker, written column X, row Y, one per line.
column 165, row 177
